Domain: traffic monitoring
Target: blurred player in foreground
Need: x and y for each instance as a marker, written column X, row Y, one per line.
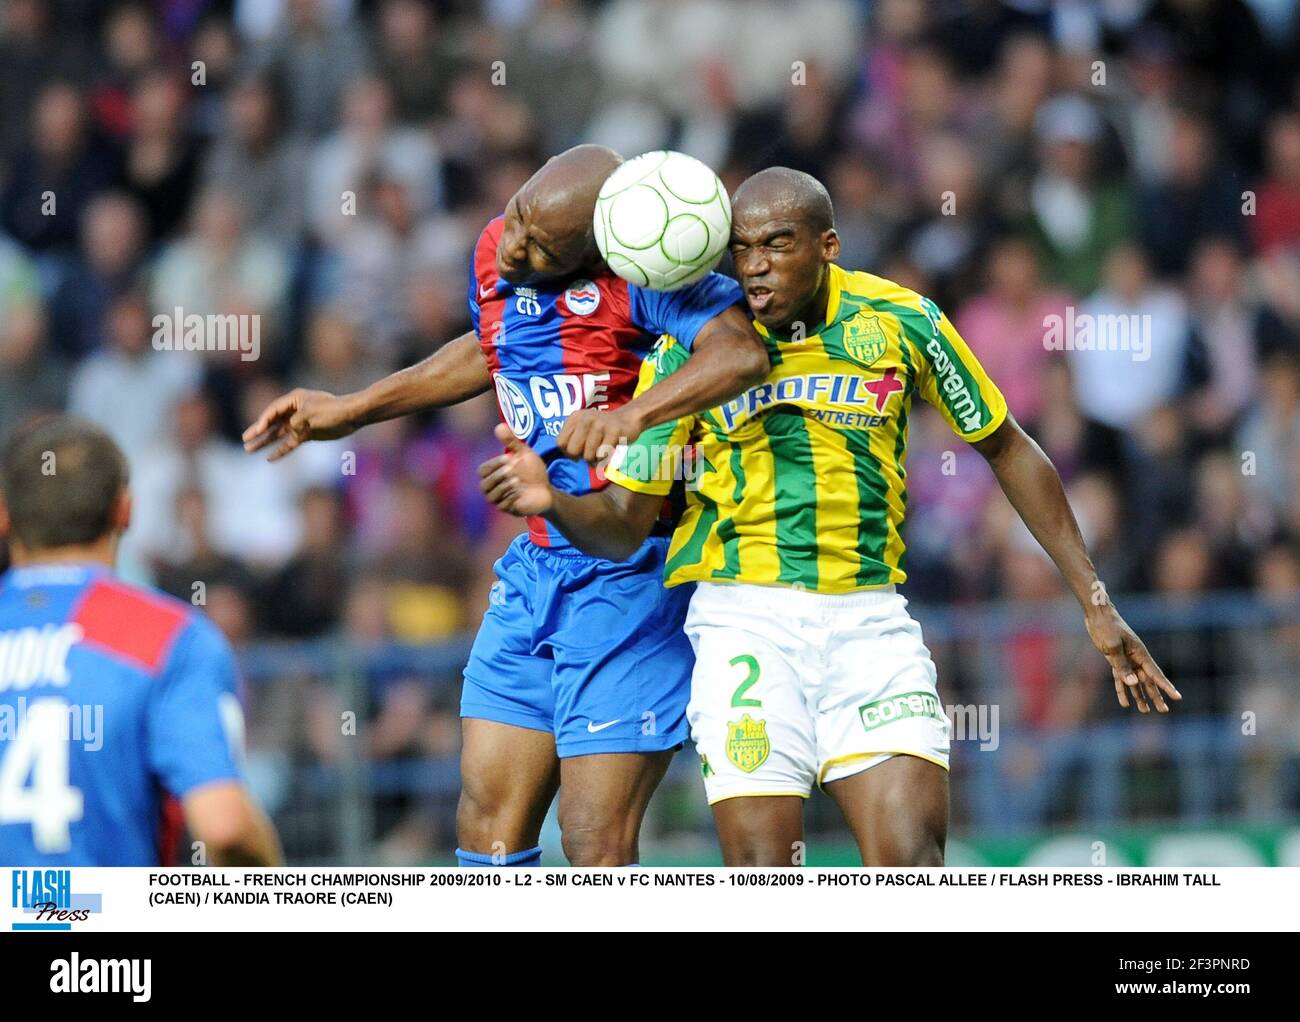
column 579, row 676
column 809, row 668
column 118, row 713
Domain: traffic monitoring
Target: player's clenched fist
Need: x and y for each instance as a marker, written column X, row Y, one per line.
column 592, row 434
column 516, row 481
column 297, row 417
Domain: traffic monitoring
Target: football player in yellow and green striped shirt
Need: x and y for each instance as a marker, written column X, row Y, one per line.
column 808, row 667
column 800, row 481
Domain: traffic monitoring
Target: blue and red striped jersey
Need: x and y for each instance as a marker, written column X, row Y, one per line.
column 557, row 347
column 115, row 702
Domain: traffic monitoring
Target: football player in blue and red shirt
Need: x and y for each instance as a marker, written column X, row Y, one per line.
column 579, row 677
column 119, row 719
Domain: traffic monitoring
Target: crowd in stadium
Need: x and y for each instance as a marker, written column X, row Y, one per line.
column 326, row 165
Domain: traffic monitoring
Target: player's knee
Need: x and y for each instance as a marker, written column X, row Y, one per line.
column 907, row 840
column 484, row 822
column 918, row 847
column 757, row 851
column 592, row 838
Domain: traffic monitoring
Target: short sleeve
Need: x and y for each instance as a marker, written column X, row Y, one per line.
column 652, row 462
column 195, row 722
column 950, row 377
column 682, row 313
column 483, row 267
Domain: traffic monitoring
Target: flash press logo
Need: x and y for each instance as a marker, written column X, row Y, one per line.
column 191, row 332
column 46, row 895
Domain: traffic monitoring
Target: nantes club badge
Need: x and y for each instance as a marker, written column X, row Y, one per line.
column 747, row 743
column 864, row 338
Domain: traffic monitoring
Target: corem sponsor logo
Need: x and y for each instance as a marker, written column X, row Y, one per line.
column 46, row 896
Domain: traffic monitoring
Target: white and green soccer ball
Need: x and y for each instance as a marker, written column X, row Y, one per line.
column 662, row 220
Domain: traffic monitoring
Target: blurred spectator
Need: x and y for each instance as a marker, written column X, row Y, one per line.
column 53, row 181
column 416, row 60
column 131, row 48
column 251, row 507
column 1130, row 343
column 128, row 387
column 1230, row 328
column 1277, row 216
column 316, row 53
column 33, row 381
column 222, row 267
column 34, row 49
column 110, row 261
column 1196, row 200
column 380, row 254
column 334, row 361
column 368, row 146
column 1270, row 437
column 1006, row 325
column 1079, row 215
column 194, row 567
column 259, row 158
column 305, row 596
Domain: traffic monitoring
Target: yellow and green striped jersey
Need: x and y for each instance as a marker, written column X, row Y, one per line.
column 800, row 481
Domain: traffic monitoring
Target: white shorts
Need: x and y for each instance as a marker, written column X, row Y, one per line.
column 793, row 688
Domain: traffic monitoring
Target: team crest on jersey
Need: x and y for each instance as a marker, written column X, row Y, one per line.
column 582, row 297
column 515, row 409
column 864, row 338
column 747, row 743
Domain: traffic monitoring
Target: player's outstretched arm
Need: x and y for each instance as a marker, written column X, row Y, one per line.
column 455, row 372
column 610, row 523
column 728, row 358
column 1034, row 488
column 231, row 825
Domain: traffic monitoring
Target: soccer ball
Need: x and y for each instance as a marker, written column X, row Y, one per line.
column 662, row 220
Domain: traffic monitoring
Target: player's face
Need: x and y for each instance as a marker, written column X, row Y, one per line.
column 780, row 262
column 539, row 243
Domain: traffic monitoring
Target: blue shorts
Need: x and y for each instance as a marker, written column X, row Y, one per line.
column 593, row 651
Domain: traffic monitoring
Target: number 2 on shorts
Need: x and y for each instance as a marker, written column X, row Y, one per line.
column 738, row 697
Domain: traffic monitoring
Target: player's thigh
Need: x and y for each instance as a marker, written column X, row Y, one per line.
column 603, row 799
column 622, row 660
column 750, row 720
column 509, row 776
column 763, row 830
column 877, row 695
column 897, row 810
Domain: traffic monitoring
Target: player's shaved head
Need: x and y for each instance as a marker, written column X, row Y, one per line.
column 569, row 183
column 782, row 239
column 784, row 192
column 548, row 221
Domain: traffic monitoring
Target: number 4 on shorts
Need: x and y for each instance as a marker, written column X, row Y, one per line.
column 738, row 697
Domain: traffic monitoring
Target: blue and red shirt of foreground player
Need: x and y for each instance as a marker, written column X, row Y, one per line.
column 115, row 702
column 555, row 348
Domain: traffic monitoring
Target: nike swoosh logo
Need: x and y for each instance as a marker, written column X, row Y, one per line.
column 486, row 289
column 593, row 727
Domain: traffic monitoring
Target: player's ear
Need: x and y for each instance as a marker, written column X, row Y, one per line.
column 4, row 519
column 122, row 512
column 831, row 245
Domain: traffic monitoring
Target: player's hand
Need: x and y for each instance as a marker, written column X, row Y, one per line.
column 516, row 481
column 299, row 416
column 1136, row 674
column 592, row 434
